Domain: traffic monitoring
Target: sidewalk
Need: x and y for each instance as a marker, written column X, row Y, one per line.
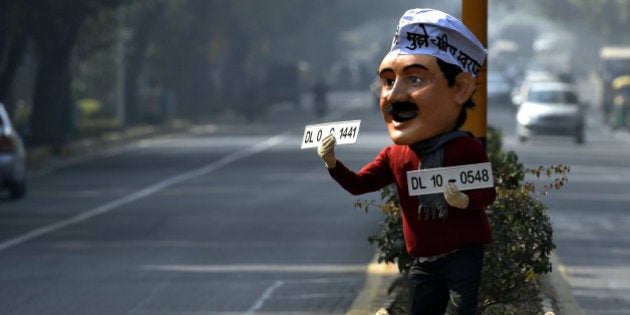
column 39, row 155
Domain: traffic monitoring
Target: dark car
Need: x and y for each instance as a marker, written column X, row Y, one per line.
column 498, row 88
column 12, row 158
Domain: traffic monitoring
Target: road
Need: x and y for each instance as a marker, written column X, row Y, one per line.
column 590, row 214
column 228, row 218
column 233, row 218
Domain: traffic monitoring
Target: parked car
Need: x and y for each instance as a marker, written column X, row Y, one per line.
column 550, row 108
column 12, row 158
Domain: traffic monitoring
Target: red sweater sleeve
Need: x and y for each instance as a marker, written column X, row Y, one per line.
column 372, row 177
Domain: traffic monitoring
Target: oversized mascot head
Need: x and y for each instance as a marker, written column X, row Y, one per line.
column 426, row 81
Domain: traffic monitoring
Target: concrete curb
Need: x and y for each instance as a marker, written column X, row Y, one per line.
column 379, row 277
column 560, row 290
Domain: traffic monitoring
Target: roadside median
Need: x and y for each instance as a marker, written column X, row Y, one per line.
column 380, row 277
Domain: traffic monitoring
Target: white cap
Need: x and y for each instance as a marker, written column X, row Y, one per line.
column 435, row 33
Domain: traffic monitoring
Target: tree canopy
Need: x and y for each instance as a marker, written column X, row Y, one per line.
column 196, row 58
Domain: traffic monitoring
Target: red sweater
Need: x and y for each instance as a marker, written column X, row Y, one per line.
column 425, row 238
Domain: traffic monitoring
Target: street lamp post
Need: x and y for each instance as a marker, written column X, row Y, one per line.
column 475, row 17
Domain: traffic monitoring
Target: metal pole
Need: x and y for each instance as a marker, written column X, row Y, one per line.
column 475, row 17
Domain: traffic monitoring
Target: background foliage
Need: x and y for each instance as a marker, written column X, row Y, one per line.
column 192, row 59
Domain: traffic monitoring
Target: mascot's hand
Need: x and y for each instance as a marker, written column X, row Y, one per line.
column 454, row 197
column 326, row 151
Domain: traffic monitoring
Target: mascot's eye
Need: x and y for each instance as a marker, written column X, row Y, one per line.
column 415, row 80
column 388, row 82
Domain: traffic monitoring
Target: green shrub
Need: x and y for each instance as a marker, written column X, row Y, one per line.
column 88, row 108
column 522, row 234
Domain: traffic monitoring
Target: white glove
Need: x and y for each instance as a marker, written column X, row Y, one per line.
column 326, row 151
column 454, row 197
column 381, row 311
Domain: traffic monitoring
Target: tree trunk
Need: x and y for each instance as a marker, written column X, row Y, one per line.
column 134, row 64
column 53, row 111
column 12, row 47
column 10, row 57
column 52, row 114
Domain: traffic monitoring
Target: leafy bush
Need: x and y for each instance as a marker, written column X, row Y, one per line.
column 522, row 234
column 88, row 107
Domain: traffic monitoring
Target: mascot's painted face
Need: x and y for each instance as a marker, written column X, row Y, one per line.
column 415, row 99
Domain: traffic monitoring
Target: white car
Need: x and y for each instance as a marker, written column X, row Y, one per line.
column 12, row 158
column 550, row 108
column 519, row 92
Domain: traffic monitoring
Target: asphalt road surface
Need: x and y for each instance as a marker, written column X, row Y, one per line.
column 233, row 218
column 228, row 218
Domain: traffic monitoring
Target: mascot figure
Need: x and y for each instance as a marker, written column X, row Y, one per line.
column 425, row 86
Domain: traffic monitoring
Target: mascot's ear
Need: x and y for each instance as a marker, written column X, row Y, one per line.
column 464, row 87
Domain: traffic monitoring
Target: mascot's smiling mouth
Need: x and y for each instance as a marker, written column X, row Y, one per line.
column 402, row 112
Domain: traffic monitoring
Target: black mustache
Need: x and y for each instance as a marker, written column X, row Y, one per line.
column 400, row 106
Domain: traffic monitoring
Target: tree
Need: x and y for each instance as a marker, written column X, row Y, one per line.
column 211, row 53
column 12, row 44
column 53, row 27
column 146, row 16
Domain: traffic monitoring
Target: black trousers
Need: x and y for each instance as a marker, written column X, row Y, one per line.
column 456, row 275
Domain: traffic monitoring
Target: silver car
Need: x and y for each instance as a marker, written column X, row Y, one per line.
column 550, row 108
column 12, row 158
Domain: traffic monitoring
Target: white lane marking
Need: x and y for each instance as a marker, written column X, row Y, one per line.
column 145, row 192
column 264, row 297
column 276, row 268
